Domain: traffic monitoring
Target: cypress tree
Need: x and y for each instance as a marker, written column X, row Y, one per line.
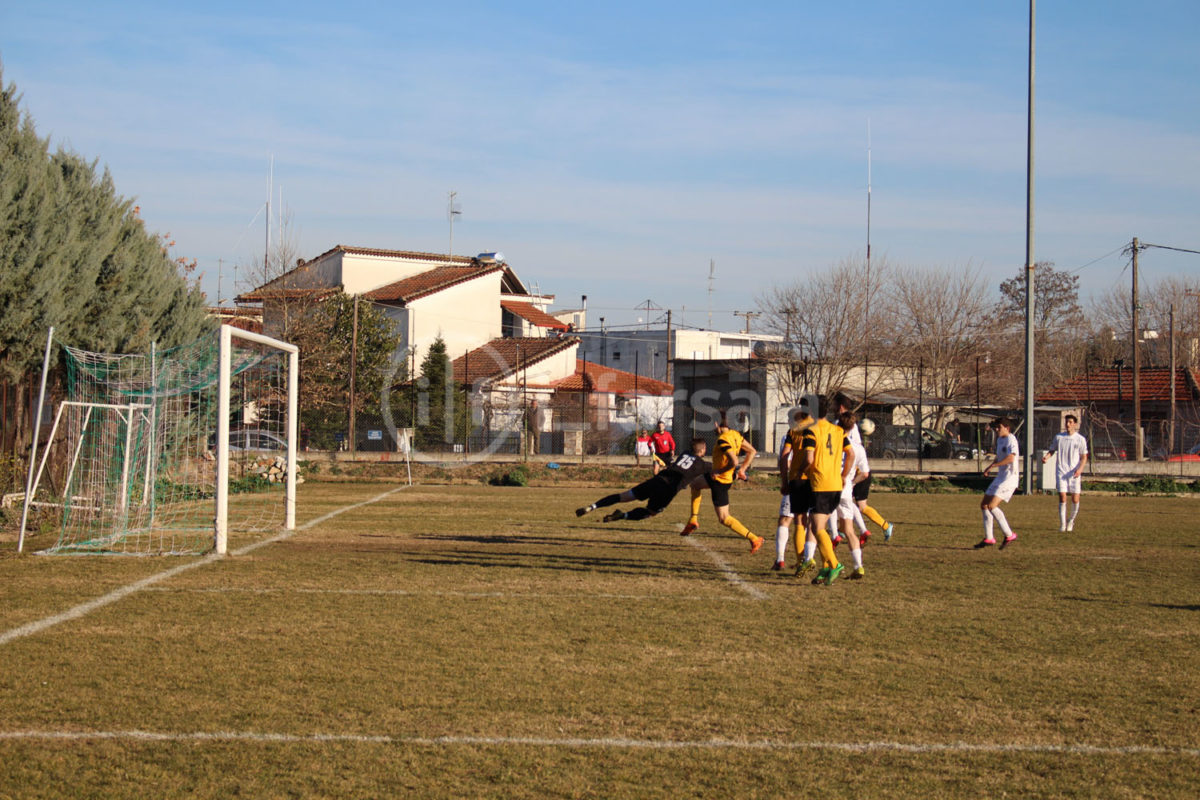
column 75, row 255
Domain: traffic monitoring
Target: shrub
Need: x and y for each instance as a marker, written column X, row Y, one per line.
column 517, row 476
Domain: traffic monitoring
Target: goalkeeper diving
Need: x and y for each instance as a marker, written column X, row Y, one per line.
column 685, row 470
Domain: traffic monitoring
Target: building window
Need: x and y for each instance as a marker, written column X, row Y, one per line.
column 616, row 355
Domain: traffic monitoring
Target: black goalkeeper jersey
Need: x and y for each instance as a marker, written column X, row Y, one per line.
column 683, row 470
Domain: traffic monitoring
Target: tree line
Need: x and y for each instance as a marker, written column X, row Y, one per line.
column 77, row 256
column 947, row 323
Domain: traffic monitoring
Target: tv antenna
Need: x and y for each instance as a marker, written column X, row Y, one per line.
column 649, row 306
column 712, row 268
column 453, row 210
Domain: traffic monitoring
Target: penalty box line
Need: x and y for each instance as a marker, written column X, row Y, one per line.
column 602, row 743
column 729, row 572
column 37, row 626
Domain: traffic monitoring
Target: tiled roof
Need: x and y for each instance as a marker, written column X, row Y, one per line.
column 407, row 254
column 246, row 319
column 531, row 313
column 596, row 378
column 430, row 282
column 283, row 286
column 502, row 357
column 1109, row 384
column 266, row 293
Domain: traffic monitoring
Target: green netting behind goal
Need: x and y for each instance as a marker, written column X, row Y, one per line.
column 133, row 458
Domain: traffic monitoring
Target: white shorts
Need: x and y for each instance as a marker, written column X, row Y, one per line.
column 1003, row 487
column 1068, row 484
column 785, row 506
column 847, row 506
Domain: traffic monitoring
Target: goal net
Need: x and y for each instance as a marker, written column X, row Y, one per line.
column 172, row 452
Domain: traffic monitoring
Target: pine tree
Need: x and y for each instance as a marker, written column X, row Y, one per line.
column 76, row 256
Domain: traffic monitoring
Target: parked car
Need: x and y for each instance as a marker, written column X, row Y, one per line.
column 900, row 441
column 251, row 439
column 1116, row 452
column 1192, row 454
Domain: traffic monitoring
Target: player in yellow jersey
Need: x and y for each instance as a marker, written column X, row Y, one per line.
column 823, row 448
column 796, row 498
column 732, row 456
column 862, row 490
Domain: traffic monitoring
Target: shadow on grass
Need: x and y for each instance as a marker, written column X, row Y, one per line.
column 527, row 561
column 1176, row 606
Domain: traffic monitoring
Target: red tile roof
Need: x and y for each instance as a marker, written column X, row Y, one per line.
column 246, row 319
column 1109, row 384
column 596, row 378
column 430, row 282
column 500, row 358
column 531, row 313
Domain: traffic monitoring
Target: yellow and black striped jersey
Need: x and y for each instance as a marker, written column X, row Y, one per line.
column 795, row 440
column 725, row 456
column 828, row 443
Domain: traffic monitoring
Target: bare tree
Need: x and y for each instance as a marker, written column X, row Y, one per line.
column 280, row 282
column 827, row 335
column 943, row 314
column 1111, row 320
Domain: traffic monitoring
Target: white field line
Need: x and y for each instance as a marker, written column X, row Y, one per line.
column 448, row 593
column 37, row 626
column 602, row 743
column 730, row 573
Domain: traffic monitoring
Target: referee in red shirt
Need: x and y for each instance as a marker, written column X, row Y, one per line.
column 664, row 447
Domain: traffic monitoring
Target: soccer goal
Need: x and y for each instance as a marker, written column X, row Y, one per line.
column 170, row 452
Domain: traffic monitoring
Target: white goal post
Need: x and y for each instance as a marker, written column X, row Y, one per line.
column 221, row 533
column 146, row 449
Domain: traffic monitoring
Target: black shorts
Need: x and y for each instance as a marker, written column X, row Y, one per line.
column 862, row 489
column 826, row 502
column 656, row 491
column 720, row 491
column 800, row 496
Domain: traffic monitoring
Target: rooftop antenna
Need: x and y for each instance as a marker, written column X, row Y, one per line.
column 649, row 305
column 712, row 268
column 867, row 304
column 267, row 248
column 220, row 271
column 453, row 210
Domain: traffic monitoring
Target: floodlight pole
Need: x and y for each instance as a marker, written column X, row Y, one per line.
column 1029, row 274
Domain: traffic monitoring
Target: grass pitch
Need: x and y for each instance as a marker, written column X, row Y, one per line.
column 466, row 641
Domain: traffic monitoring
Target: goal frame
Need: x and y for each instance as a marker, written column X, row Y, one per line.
column 226, row 335
column 221, row 519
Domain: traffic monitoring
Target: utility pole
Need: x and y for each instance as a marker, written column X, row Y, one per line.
column 1196, row 340
column 1138, row 449
column 1171, row 424
column 670, row 347
column 749, row 315
column 353, row 365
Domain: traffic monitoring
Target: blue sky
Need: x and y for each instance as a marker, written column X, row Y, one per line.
column 614, row 150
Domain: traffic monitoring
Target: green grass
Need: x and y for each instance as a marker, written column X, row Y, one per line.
column 476, row 641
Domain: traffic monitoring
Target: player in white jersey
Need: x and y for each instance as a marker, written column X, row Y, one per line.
column 1008, row 475
column 862, row 490
column 1071, row 454
column 847, row 511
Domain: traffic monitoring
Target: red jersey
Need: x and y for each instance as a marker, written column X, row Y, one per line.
column 663, row 442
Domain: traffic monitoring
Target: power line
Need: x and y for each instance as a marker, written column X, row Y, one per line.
column 1145, row 246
